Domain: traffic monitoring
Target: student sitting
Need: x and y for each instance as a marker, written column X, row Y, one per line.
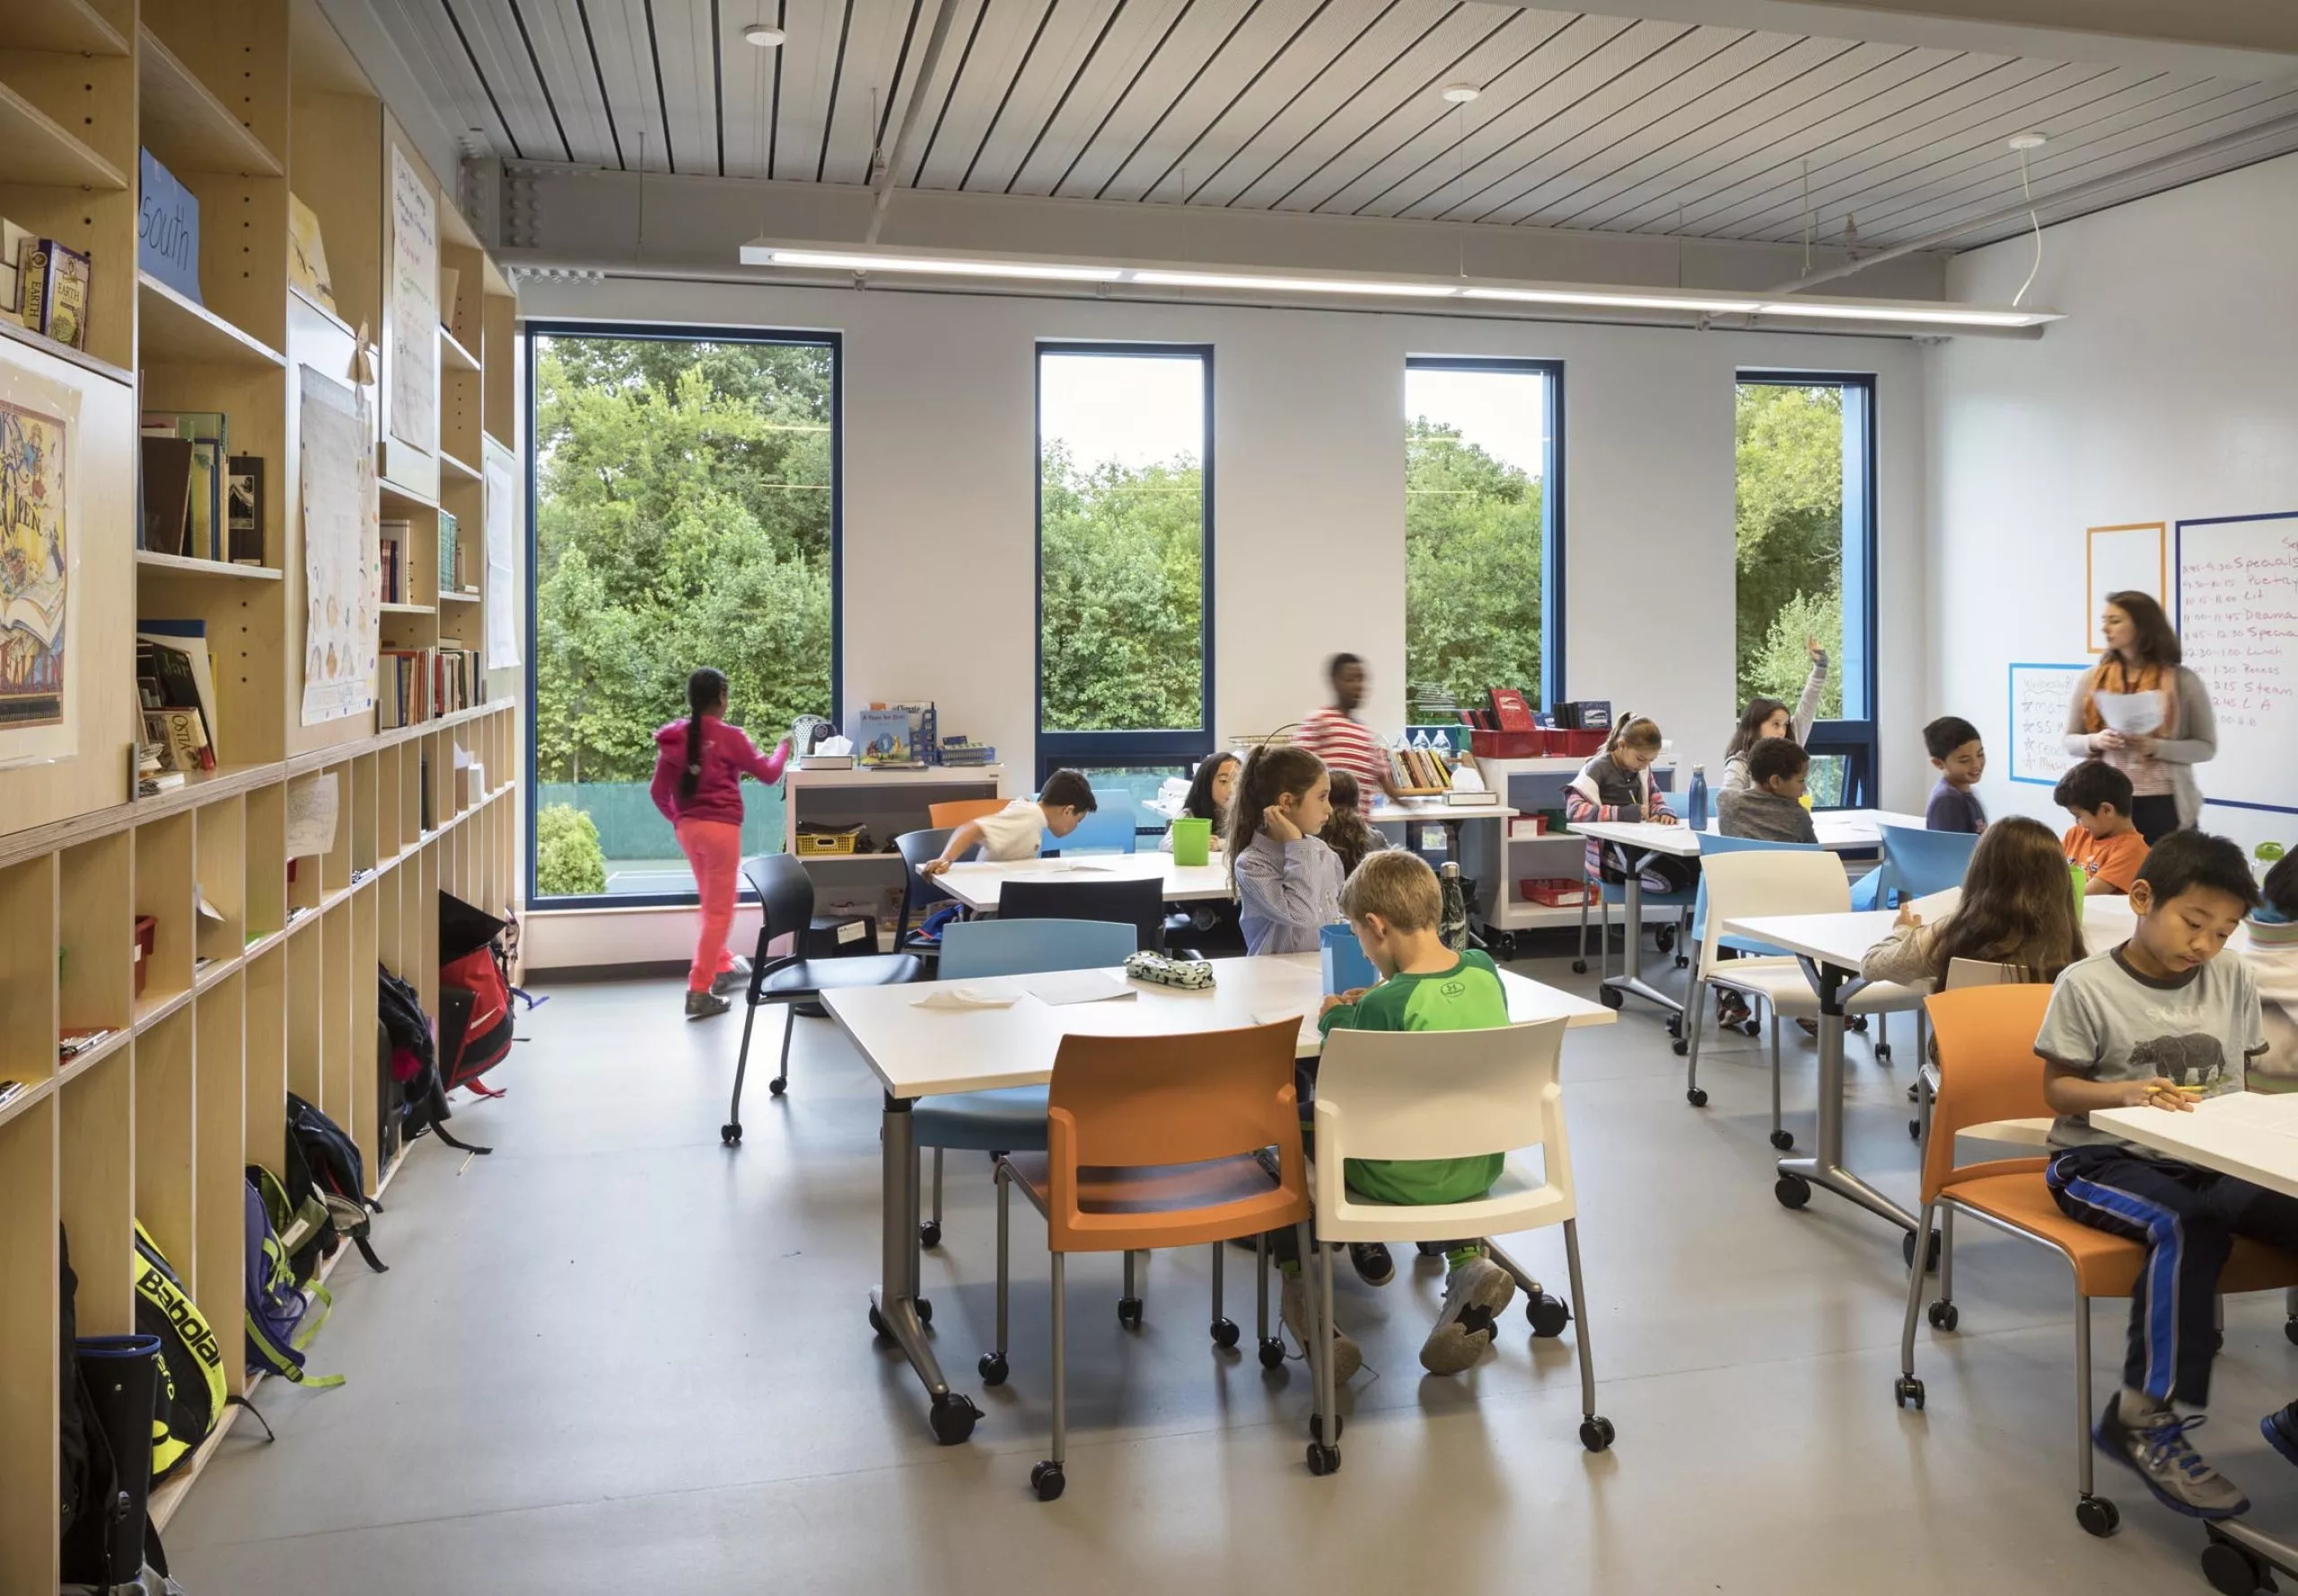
column 2162, row 1021
column 2015, row 909
column 2102, row 840
column 1770, row 807
column 1394, row 904
column 2273, row 958
column 1617, row 785
column 1346, row 833
column 1287, row 882
column 1208, row 796
column 1013, row 832
column 1769, row 717
column 1960, row 759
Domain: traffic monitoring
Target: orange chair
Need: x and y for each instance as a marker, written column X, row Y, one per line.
column 1988, row 1071
column 1151, row 1143
column 958, row 810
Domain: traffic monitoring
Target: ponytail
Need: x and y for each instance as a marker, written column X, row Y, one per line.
column 1271, row 771
column 706, row 690
column 1634, row 730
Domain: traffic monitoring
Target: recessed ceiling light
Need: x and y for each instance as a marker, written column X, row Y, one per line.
column 2027, row 141
column 762, row 36
column 1460, row 93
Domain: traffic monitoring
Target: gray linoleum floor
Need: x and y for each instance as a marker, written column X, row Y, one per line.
column 616, row 1357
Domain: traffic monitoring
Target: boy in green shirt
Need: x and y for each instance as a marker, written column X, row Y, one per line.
column 1394, row 904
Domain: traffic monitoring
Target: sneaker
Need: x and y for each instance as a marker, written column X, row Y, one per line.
column 733, row 979
column 2280, row 1429
column 1293, row 1308
column 1731, row 1010
column 1476, row 1294
column 1374, row 1265
column 702, row 1005
column 2156, row 1449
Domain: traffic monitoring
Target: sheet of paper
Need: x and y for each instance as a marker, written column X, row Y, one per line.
column 208, row 911
column 2133, row 715
column 414, row 353
column 1080, row 867
column 500, row 472
column 310, row 816
column 964, row 997
column 1938, row 905
column 339, row 541
column 1077, row 985
column 2274, row 1111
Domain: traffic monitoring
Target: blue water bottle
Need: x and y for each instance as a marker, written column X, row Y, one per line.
column 1699, row 797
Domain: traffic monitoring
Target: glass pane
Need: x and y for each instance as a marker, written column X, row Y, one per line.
column 1825, row 780
column 682, row 517
column 1477, row 456
column 1121, row 542
column 1139, row 784
column 1790, row 540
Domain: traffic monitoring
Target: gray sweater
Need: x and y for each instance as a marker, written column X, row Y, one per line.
column 2197, row 745
column 1763, row 816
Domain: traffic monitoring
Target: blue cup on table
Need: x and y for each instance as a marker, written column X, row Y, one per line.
column 1345, row 968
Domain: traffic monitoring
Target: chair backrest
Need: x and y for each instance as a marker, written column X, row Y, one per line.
column 1989, row 1070
column 1981, row 972
column 1744, row 883
column 1443, row 1094
column 1711, row 845
column 1109, row 829
column 957, row 812
column 973, row 950
column 916, row 848
column 785, row 895
column 1148, row 1102
column 1139, row 903
column 1919, row 863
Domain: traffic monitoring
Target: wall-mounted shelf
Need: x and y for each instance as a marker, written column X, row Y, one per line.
column 174, row 331
column 454, row 354
column 222, row 570
column 66, row 27
column 450, row 467
column 448, row 596
column 185, row 125
column 17, row 333
column 408, row 609
column 40, row 151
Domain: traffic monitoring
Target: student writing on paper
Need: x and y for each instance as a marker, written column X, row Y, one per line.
column 2143, row 660
column 1014, row 832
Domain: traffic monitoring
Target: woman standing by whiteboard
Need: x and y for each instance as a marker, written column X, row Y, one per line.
column 2139, row 684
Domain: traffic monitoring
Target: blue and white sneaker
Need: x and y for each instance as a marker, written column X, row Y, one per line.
column 2156, row 1449
column 2280, row 1429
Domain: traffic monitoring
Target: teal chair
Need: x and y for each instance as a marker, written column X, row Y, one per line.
column 1917, row 864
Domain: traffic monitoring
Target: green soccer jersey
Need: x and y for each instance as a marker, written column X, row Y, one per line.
column 1467, row 997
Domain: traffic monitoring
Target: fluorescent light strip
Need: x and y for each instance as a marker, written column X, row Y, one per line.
column 1164, row 279
column 1622, row 302
column 1946, row 315
column 830, row 262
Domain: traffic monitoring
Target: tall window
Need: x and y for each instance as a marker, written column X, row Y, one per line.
column 1806, row 548
column 1482, row 518
column 686, row 514
column 1125, row 545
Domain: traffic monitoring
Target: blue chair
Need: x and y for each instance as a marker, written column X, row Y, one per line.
column 1109, row 829
column 1917, row 864
column 1009, row 1119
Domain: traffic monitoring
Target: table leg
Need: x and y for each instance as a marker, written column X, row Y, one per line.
column 1825, row 1168
column 895, row 1307
column 1631, row 980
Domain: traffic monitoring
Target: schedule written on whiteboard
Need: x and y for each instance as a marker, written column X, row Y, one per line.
column 2238, row 623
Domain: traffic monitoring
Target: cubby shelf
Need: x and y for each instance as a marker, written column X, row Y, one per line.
column 448, row 596
column 408, row 609
column 449, row 466
column 453, row 354
column 42, row 152
column 14, row 333
column 183, row 564
column 185, row 125
column 174, row 331
column 66, row 27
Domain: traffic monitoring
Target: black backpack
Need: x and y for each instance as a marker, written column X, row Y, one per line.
column 88, row 1480
column 399, row 1010
column 321, row 1154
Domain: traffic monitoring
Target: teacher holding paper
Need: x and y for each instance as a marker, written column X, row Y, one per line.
column 2146, row 715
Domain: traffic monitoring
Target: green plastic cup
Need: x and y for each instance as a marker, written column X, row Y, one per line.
column 1192, row 841
column 2081, row 878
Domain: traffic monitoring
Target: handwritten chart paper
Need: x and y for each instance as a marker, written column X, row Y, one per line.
column 2040, row 697
column 2238, row 622
column 341, row 621
column 500, row 470
column 413, row 402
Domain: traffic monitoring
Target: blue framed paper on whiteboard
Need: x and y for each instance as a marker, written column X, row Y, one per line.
column 2236, row 582
column 2040, row 697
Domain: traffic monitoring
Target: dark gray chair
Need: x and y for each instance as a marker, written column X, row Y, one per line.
column 1140, row 904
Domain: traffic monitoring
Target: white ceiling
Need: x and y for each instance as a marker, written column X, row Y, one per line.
column 1671, row 127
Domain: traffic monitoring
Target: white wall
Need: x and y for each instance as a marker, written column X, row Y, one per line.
column 1308, row 507
column 2167, row 394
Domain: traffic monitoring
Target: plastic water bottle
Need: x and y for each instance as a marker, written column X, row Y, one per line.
column 1699, row 797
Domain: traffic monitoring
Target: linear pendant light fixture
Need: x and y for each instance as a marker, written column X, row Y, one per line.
column 896, row 261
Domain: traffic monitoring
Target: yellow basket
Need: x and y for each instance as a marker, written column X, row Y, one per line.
column 817, row 843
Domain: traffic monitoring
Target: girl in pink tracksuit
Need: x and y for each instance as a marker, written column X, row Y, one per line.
column 699, row 763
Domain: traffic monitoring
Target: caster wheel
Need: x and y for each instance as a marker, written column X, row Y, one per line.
column 1858, row 1024
column 1317, row 1426
column 929, row 1234
column 776, row 1088
column 1883, row 1052
column 1579, row 967
column 2232, row 1570
column 1596, row 1434
column 731, row 1133
column 924, row 1311
column 1272, row 1353
column 993, row 1369
column 1046, row 1480
column 1611, row 997
column 2099, row 1516
column 1675, row 1025
column 1683, row 961
column 1680, row 1047
column 1931, row 1255
column 1783, row 1139
column 1915, row 1130
column 1914, row 1095
column 2290, row 1329
column 1906, row 1391
column 1549, row 1315
column 1128, row 1312
column 1791, row 1190
column 1696, row 1097
column 1323, row 1460
column 1944, row 1316
column 1664, row 938
column 1224, row 1333
column 878, row 1324
column 952, row 1417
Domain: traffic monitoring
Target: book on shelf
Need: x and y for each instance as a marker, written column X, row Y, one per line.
column 53, row 288
column 12, row 240
column 166, row 494
column 420, row 684
column 173, row 671
column 167, row 228
column 392, row 567
column 202, row 466
column 182, row 739
column 243, row 514
column 451, row 554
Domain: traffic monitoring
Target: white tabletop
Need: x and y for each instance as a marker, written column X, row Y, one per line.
column 1839, row 830
column 979, row 883
column 1437, row 809
column 2245, row 1134
column 916, row 1052
column 1840, row 940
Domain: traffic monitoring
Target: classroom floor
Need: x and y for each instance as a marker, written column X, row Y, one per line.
column 616, row 1357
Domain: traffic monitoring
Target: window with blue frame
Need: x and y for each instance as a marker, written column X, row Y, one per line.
column 1805, row 543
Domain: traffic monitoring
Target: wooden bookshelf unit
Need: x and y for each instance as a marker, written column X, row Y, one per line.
column 273, row 989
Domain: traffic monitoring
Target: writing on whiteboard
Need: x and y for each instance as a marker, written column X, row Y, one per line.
column 2040, row 697
column 2238, row 623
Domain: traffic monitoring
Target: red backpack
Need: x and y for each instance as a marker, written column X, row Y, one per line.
column 475, row 1029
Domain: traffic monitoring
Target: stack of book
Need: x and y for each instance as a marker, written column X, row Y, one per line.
column 1418, row 770
column 393, row 587
column 44, row 285
column 452, row 576
column 421, row 684
column 199, row 501
column 175, row 686
column 967, row 755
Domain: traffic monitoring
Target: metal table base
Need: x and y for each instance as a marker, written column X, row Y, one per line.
column 1825, row 1168
column 896, row 1310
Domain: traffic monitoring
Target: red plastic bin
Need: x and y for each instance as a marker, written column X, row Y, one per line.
column 1576, row 744
column 1509, row 745
column 1556, row 893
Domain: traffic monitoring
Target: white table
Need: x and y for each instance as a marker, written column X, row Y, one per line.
column 977, row 884
column 918, row 1053
column 1425, row 811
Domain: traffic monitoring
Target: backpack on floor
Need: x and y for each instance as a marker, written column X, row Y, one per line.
column 337, row 1173
column 192, row 1392
column 475, row 992
column 415, row 1061
column 284, row 1309
column 88, row 1481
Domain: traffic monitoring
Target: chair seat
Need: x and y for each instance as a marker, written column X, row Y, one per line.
column 807, row 977
column 2022, row 1133
column 1781, row 982
column 1008, row 1120
column 2105, row 1265
column 1126, row 1209
column 1513, row 1204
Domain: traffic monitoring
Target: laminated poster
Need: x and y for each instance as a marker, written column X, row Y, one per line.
column 500, row 469
column 414, row 374
column 339, row 551
column 38, row 488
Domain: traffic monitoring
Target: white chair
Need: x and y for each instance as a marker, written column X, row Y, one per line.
column 2017, row 1133
column 1740, row 886
column 1452, row 1094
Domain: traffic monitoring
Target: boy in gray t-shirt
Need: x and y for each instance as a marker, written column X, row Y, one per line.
column 2162, row 1021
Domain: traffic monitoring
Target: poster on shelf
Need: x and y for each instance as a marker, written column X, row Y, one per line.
column 39, row 492
column 339, row 538
column 500, row 469
column 414, row 377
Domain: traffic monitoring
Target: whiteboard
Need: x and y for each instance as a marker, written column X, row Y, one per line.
column 2238, row 623
column 2119, row 559
column 2041, row 696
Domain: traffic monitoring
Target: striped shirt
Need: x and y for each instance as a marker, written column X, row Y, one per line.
column 1344, row 744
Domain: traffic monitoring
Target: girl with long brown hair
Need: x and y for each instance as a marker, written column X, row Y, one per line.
column 1287, row 882
column 2017, row 907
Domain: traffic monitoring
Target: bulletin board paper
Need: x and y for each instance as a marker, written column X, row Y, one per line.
column 2237, row 624
column 342, row 624
column 414, row 374
column 2120, row 559
column 500, row 470
column 2040, row 697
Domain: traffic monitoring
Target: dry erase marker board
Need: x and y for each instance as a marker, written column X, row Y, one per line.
column 2237, row 624
column 2041, row 696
